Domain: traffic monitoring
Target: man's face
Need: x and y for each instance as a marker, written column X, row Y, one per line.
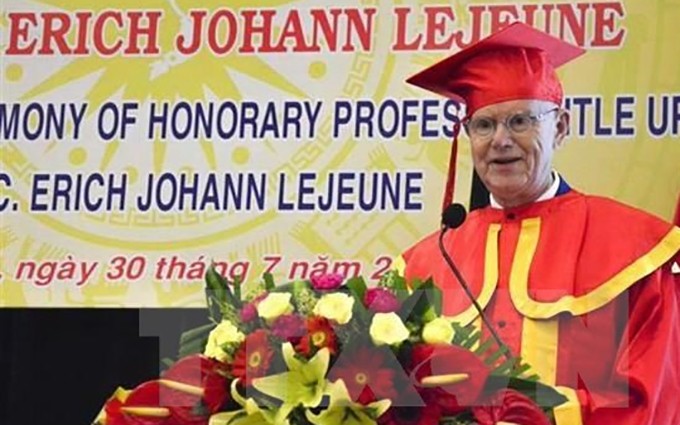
column 516, row 166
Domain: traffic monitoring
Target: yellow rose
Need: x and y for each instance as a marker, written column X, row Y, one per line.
column 276, row 304
column 438, row 331
column 336, row 307
column 224, row 333
column 387, row 328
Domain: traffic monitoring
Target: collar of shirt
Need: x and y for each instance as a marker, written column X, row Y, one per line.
column 548, row 194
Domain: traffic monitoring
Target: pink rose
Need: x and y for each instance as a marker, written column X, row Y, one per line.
column 327, row 281
column 381, row 300
column 248, row 313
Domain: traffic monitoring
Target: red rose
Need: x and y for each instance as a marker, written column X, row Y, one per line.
column 510, row 406
column 429, row 360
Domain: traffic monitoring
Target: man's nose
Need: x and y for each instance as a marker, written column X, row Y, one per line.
column 501, row 136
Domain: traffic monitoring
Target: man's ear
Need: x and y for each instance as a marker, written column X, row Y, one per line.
column 561, row 128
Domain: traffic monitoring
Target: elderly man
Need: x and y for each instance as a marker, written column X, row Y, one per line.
column 583, row 288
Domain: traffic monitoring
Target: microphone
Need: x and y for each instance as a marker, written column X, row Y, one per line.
column 452, row 218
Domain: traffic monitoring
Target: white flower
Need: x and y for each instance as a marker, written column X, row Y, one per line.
column 276, row 304
column 224, row 333
column 438, row 331
column 387, row 328
column 336, row 307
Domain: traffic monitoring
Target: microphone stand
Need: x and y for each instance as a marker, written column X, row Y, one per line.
column 464, row 285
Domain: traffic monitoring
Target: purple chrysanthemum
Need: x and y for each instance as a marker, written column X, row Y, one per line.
column 289, row 327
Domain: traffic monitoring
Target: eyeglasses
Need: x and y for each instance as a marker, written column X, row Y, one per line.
column 484, row 127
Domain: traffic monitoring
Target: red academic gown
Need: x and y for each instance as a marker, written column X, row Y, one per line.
column 583, row 288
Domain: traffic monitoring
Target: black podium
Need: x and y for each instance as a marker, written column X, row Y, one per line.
column 58, row 366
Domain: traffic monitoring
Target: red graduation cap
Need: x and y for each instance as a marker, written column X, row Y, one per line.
column 517, row 62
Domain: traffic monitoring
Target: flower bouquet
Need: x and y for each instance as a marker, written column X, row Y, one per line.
column 333, row 351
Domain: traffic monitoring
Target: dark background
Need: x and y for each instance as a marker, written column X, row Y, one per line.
column 58, row 366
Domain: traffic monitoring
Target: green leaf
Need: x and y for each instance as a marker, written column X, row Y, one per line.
column 434, row 296
column 398, row 283
column 471, row 339
column 300, row 288
column 416, row 283
column 407, row 309
column 506, row 367
column 424, row 304
column 221, row 302
column 361, row 316
column 215, row 308
column 361, row 319
column 484, row 346
column 269, row 283
column 493, row 358
column 357, row 287
column 238, row 282
column 283, row 288
column 521, row 369
column 216, row 284
column 193, row 341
